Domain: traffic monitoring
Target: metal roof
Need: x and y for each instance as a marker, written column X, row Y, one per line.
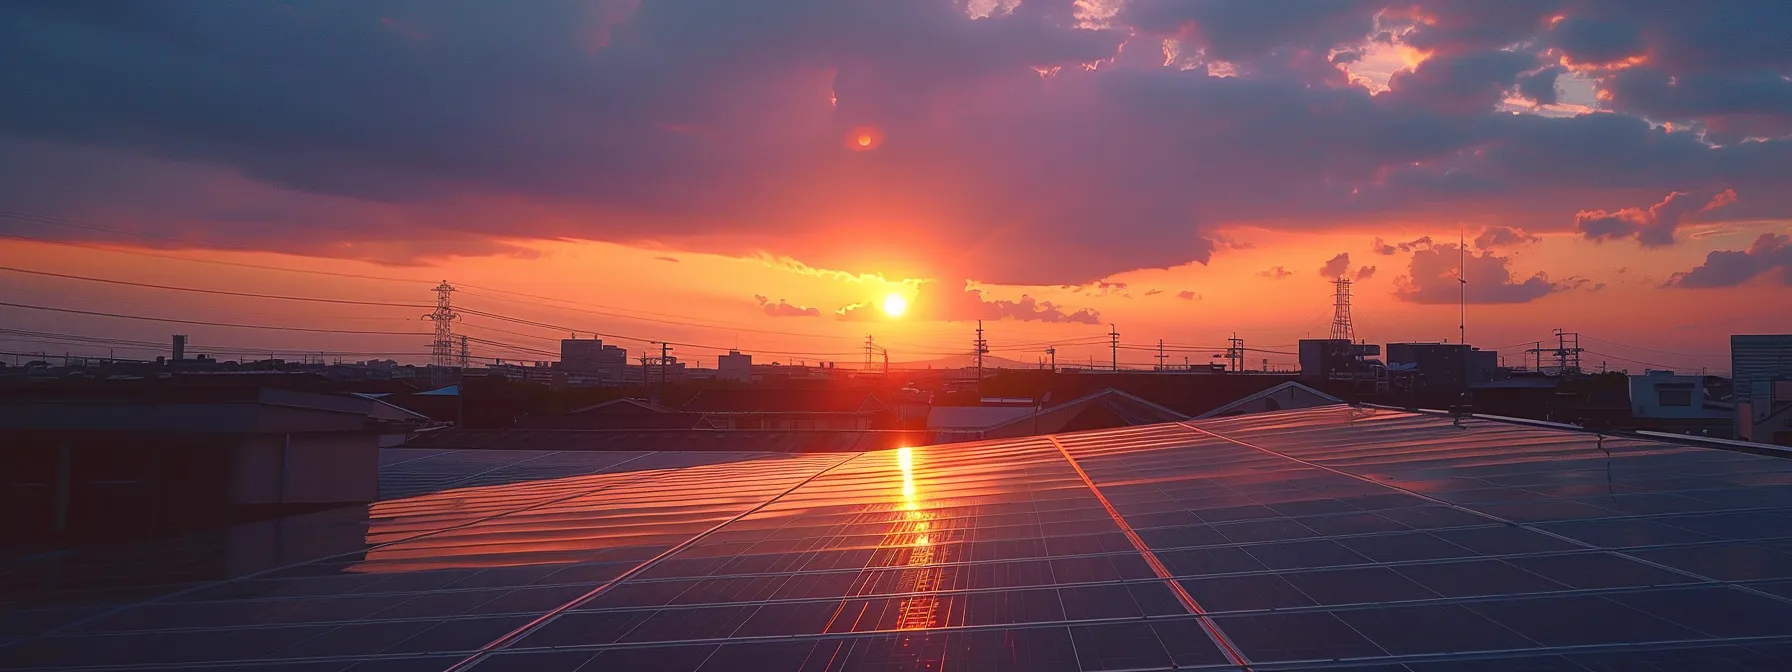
column 1330, row 538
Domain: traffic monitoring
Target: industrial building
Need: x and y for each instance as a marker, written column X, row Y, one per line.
column 591, row 362
column 1757, row 363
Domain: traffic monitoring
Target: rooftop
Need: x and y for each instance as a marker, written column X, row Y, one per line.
column 1327, row 538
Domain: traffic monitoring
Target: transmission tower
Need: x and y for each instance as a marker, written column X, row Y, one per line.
column 1341, row 328
column 441, row 351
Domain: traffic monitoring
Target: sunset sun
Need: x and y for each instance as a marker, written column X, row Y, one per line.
column 895, row 305
column 864, row 140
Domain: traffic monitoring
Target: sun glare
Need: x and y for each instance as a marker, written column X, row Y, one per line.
column 895, row 305
column 864, row 140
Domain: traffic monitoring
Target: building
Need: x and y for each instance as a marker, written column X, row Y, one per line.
column 1767, row 415
column 1756, row 361
column 1330, row 538
column 735, row 366
column 1666, row 401
column 120, row 462
column 1435, row 375
column 591, row 362
column 1337, row 359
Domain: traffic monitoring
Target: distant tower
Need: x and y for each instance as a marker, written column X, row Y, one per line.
column 441, row 351
column 464, row 352
column 179, row 349
column 1341, row 328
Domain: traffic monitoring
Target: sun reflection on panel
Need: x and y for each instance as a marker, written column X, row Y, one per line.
column 922, row 556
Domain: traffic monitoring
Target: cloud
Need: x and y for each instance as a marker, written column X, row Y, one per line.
column 1338, row 266
column 937, row 301
column 1383, row 248
column 1432, row 278
column 1098, row 288
column 1730, row 268
column 696, row 127
column 1504, row 236
column 1187, row 295
column 1276, row 273
column 1154, row 292
column 1365, row 273
column 670, row 259
column 784, row 309
column 1655, row 226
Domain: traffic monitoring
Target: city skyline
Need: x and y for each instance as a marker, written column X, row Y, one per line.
column 766, row 178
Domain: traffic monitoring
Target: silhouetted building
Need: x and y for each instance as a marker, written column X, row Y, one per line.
column 1337, row 359
column 1756, row 361
column 1435, row 374
column 735, row 366
column 591, row 362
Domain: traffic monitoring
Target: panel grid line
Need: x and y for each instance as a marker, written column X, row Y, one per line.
column 526, row 629
column 1219, row 637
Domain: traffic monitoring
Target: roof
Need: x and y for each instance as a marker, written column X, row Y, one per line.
column 449, row 391
column 1103, row 408
column 784, row 401
column 1306, row 396
column 650, row 439
column 1330, row 538
column 974, row 417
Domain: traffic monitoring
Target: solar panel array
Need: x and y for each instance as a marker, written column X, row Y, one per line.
column 1330, row 538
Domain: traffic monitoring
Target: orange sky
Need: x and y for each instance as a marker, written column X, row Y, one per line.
column 715, row 295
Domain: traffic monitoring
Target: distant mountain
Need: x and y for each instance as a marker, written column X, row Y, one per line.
column 962, row 361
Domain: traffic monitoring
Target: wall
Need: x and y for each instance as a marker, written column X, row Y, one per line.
column 316, row 468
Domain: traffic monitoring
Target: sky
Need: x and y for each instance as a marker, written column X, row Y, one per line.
column 762, row 175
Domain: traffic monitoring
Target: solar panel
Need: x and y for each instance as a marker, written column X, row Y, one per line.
column 1330, row 538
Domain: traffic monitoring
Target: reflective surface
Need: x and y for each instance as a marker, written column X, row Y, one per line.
column 1318, row 539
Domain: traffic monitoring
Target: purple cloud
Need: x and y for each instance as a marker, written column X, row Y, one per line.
column 1337, row 267
column 784, row 309
column 1365, row 273
column 1433, row 278
column 1276, row 273
column 1032, row 139
column 1504, row 236
column 1729, row 268
column 1655, row 226
column 1187, row 295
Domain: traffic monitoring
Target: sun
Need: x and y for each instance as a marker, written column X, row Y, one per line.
column 864, row 140
column 895, row 305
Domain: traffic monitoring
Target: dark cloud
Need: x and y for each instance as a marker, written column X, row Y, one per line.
column 1187, row 295
column 1503, row 236
column 1433, row 278
column 1655, row 226
column 1365, row 273
column 1154, row 292
column 1729, row 268
column 1337, row 267
column 1276, row 273
column 1383, row 248
column 719, row 126
column 670, row 259
column 1540, row 86
column 1098, row 288
column 784, row 309
column 937, row 301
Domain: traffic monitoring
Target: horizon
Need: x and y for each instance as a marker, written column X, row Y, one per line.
column 769, row 178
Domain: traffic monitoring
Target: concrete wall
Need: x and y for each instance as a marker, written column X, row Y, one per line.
column 305, row 468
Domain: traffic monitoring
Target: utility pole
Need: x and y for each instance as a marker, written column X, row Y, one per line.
column 979, row 347
column 1052, row 351
column 1235, row 353
column 1114, row 346
column 1160, row 354
column 868, row 347
column 463, row 352
column 665, row 356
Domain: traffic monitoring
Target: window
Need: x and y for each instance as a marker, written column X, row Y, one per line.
column 1674, row 394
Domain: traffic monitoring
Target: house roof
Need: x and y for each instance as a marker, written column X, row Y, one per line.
column 1310, row 396
column 1123, row 408
column 974, row 417
column 784, row 401
column 1327, row 538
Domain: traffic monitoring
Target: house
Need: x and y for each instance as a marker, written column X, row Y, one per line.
column 1285, row 397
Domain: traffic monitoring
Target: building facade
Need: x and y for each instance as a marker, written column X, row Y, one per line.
column 1756, row 361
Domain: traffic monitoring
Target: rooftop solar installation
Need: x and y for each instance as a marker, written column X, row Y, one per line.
column 1331, row 538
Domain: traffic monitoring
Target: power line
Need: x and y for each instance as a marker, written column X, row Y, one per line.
column 1659, row 352
column 253, row 295
column 213, row 324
